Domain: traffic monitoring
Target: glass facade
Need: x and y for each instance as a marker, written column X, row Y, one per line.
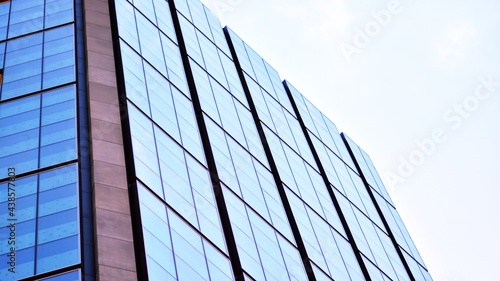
column 40, row 171
column 401, row 237
column 233, row 173
column 222, row 146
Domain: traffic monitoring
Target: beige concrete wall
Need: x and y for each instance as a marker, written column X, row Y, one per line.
column 115, row 258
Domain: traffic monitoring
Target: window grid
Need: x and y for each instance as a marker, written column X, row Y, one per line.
column 320, row 126
column 47, row 223
column 170, row 64
column 285, row 151
column 176, row 249
column 24, row 72
column 244, row 168
column 364, row 210
column 232, row 116
column 225, row 112
column 49, row 127
column 159, row 162
column 33, row 136
column 384, row 202
column 276, row 117
column 202, row 69
column 218, row 64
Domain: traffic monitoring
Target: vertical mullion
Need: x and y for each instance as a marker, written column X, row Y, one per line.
column 5, row 49
column 214, row 176
column 38, row 176
column 379, row 210
column 329, row 188
column 83, row 147
column 272, row 163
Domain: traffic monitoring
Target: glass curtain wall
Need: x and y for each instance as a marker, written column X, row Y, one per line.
column 39, row 166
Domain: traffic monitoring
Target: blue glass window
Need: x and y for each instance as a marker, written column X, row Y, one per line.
column 4, row 19
column 58, row 12
column 45, row 56
column 164, row 19
column 46, row 213
column 175, row 175
column 145, row 155
column 26, row 17
column 38, row 131
column 127, row 26
column 162, row 102
column 135, row 84
column 23, row 66
column 141, row 28
column 149, row 39
column 320, row 127
column 2, row 57
column 19, row 134
column 174, row 63
column 58, row 57
column 70, row 276
column 175, row 250
column 58, row 243
column 264, row 253
column 31, row 16
column 146, row 8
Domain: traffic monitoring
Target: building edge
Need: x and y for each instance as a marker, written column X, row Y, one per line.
column 342, row 218
column 379, row 210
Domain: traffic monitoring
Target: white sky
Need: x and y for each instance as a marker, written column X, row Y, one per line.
column 408, row 82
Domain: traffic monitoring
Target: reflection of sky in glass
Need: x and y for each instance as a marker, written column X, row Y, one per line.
column 425, row 62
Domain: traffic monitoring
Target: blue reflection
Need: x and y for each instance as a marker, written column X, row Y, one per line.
column 25, row 56
column 70, row 276
column 38, row 131
column 46, row 217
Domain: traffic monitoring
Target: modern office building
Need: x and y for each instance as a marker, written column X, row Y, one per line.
column 139, row 140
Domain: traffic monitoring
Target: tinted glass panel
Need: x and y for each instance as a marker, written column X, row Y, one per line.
column 44, row 222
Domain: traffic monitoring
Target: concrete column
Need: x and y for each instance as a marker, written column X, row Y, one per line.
column 114, row 246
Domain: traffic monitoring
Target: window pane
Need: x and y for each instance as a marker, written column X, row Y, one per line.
column 58, row 12
column 47, row 218
column 26, row 17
